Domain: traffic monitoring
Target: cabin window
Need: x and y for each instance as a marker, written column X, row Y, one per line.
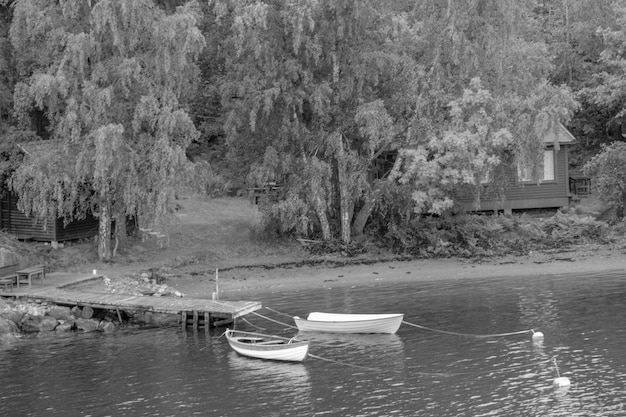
column 546, row 170
column 486, row 178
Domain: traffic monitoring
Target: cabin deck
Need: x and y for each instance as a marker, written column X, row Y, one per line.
column 64, row 289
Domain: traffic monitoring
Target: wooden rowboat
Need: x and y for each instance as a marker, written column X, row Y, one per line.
column 256, row 345
column 350, row 323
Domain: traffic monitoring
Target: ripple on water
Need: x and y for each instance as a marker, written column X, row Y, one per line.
column 167, row 372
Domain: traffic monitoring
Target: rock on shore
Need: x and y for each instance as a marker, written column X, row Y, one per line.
column 29, row 318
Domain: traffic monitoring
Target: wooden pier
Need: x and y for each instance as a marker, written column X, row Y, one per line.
column 195, row 312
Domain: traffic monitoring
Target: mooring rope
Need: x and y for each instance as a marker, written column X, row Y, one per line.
column 366, row 368
column 484, row 336
column 468, row 334
column 252, row 324
column 487, row 371
column 478, row 336
column 272, row 320
column 444, row 374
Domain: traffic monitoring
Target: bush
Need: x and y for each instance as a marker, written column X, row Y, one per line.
column 470, row 235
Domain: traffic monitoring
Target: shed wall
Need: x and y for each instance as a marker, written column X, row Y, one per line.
column 15, row 222
column 548, row 194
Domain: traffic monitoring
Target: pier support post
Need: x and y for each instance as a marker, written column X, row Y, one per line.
column 119, row 316
column 195, row 319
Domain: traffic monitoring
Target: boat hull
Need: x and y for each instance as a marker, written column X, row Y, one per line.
column 255, row 345
column 350, row 323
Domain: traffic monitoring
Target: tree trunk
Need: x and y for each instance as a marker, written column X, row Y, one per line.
column 345, row 200
column 363, row 215
column 345, row 210
column 320, row 210
column 104, row 234
column 121, row 236
column 568, row 41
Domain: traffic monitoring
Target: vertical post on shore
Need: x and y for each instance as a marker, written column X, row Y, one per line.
column 195, row 319
column 217, row 286
column 183, row 317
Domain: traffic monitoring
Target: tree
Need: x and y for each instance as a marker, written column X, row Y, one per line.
column 335, row 85
column 609, row 175
column 112, row 78
column 7, row 73
column 570, row 30
column 608, row 91
column 325, row 84
column 485, row 101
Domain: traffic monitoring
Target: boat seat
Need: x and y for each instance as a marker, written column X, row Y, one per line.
column 248, row 339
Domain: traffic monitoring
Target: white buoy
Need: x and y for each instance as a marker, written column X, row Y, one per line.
column 561, row 382
column 95, row 272
column 537, row 336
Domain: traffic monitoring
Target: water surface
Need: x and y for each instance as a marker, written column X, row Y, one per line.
column 176, row 372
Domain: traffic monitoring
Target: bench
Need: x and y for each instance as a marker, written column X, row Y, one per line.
column 8, row 276
column 27, row 274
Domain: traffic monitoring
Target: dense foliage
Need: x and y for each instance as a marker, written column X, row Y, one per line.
column 370, row 116
column 112, row 78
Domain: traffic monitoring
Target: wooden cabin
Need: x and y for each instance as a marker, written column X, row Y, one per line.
column 52, row 230
column 524, row 193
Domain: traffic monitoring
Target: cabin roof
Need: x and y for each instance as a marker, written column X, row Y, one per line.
column 46, row 148
column 40, row 147
column 563, row 136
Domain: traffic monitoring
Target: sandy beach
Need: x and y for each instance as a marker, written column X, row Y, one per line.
column 240, row 283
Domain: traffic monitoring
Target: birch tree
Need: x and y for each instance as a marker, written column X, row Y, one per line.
column 112, row 77
column 326, row 84
column 485, row 98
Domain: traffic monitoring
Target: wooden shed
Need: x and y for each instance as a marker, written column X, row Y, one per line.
column 524, row 193
column 52, row 229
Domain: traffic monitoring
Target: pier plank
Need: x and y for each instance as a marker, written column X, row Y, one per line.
column 66, row 289
column 167, row 305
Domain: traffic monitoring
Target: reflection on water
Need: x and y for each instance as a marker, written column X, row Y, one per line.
column 289, row 382
column 171, row 372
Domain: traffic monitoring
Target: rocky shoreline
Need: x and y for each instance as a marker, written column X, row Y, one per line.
column 29, row 317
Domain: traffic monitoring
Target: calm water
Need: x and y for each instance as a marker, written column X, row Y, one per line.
column 171, row 372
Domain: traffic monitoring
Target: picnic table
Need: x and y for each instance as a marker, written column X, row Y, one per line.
column 6, row 283
column 7, row 276
column 27, row 274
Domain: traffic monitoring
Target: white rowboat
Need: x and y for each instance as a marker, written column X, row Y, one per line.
column 256, row 345
column 350, row 323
